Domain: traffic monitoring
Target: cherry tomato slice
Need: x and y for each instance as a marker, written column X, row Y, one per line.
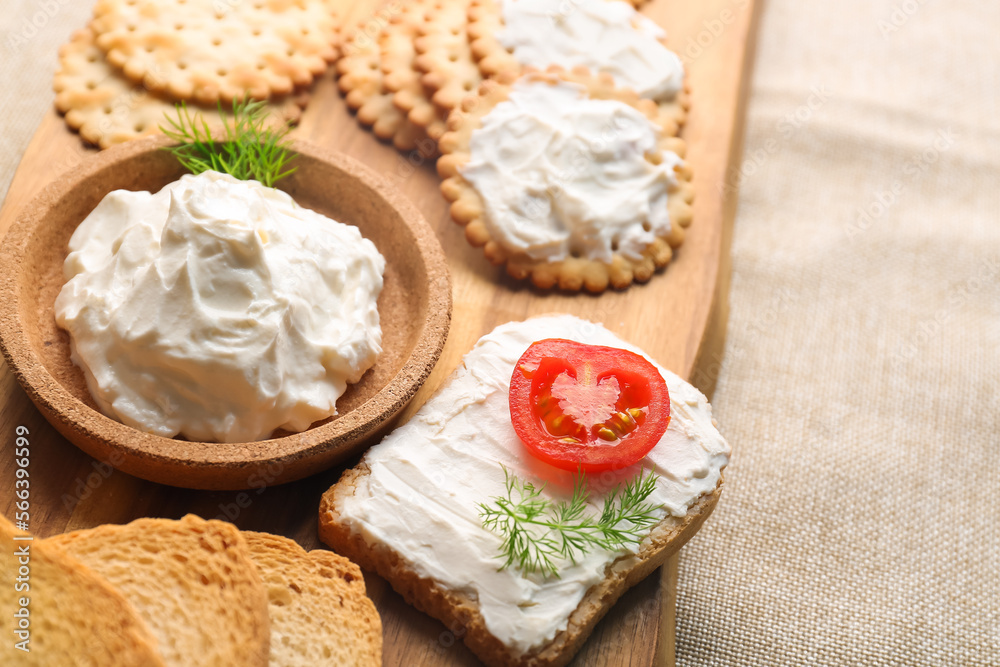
column 587, row 406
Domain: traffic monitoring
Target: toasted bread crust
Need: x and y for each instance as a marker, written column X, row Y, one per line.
column 458, row 611
column 318, row 599
column 77, row 616
column 165, row 568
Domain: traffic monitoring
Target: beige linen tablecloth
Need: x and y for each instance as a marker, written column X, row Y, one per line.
column 861, row 384
column 861, row 380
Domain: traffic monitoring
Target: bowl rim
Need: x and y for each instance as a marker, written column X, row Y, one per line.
column 54, row 400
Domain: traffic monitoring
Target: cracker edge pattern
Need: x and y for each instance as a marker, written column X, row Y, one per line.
column 445, row 57
column 111, row 32
column 361, row 83
column 401, row 76
column 134, row 100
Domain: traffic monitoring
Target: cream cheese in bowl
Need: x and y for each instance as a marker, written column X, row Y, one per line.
column 219, row 309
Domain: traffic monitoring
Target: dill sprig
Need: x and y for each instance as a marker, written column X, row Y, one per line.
column 248, row 150
column 538, row 532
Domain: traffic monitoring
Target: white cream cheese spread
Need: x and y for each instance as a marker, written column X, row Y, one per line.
column 600, row 35
column 564, row 175
column 429, row 475
column 219, row 309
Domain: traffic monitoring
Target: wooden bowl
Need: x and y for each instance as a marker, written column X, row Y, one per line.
column 415, row 311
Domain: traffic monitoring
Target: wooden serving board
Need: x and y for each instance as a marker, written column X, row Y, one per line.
column 679, row 318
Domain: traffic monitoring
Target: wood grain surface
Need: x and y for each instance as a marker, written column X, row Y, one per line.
column 679, row 317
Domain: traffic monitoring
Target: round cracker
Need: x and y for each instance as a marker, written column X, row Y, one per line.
column 445, row 56
column 362, row 83
column 402, row 78
column 573, row 273
column 210, row 50
column 107, row 109
column 486, row 20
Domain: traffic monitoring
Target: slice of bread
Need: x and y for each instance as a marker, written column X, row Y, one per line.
column 320, row 614
column 74, row 617
column 456, row 609
column 410, row 510
column 192, row 581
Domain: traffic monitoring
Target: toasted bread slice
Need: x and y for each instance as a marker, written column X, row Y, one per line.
column 411, row 509
column 456, row 609
column 320, row 614
column 192, row 581
column 74, row 617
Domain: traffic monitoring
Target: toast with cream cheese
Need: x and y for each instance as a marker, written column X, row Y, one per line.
column 410, row 509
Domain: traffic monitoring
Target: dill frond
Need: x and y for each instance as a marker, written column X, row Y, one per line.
column 248, row 149
column 538, row 533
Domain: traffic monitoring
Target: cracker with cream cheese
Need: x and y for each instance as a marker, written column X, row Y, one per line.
column 604, row 35
column 629, row 217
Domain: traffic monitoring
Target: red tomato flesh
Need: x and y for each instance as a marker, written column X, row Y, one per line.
column 587, row 406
